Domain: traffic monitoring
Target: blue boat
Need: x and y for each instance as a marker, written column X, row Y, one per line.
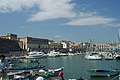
column 103, row 72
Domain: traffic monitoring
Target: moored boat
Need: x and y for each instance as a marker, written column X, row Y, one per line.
column 36, row 55
column 117, row 56
column 93, row 56
column 103, row 72
column 108, row 55
column 27, row 69
column 53, row 54
column 46, row 73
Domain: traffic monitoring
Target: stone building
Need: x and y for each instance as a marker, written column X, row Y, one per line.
column 10, row 36
column 54, row 45
column 29, row 43
column 7, row 45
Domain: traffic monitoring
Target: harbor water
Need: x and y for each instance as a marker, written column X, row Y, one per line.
column 77, row 66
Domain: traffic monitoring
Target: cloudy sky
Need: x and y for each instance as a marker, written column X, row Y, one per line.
column 75, row 20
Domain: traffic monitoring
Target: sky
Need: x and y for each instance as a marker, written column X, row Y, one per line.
column 72, row 20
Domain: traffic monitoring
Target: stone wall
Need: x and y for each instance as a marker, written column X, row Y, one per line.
column 7, row 45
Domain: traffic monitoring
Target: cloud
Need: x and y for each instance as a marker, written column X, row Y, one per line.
column 16, row 5
column 47, row 9
column 53, row 9
column 115, row 24
column 92, row 20
column 86, row 14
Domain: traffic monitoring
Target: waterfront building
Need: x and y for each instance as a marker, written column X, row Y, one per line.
column 79, row 46
column 10, row 36
column 85, row 47
column 62, row 46
column 7, row 45
column 74, row 46
column 55, row 45
column 29, row 43
column 66, row 46
column 102, row 47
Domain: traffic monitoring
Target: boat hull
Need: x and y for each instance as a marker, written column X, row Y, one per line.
column 103, row 73
column 26, row 69
column 93, row 57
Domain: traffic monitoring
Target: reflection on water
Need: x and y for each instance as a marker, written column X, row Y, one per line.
column 77, row 66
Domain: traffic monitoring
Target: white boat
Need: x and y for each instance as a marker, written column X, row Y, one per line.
column 63, row 54
column 117, row 56
column 93, row 56
column 107, row 55
column 53, row 54
column 71, row 54
column 36, row 54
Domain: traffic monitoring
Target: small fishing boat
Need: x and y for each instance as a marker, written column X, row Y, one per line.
column 48, row 73
column 77, row 79
column 26, row 69
column 103, row 73
column 54, row 72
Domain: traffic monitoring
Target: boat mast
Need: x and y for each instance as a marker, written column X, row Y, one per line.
column 91, row 44
column 118, row 36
